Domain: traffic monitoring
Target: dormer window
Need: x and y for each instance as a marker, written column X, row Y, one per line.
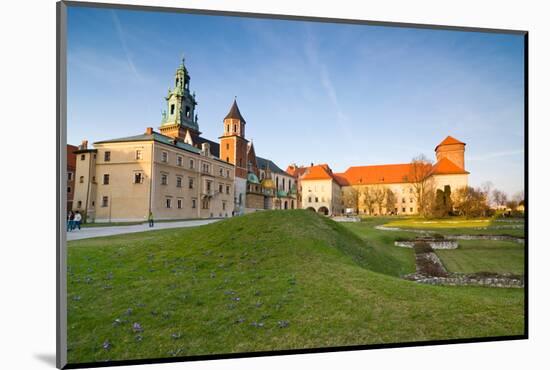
column 172, row 108
column 187, row 112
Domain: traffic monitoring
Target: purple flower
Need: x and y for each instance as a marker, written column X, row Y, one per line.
column 106, row 345
column 137, row 327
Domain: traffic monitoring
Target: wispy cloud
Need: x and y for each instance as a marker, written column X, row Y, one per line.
column 122, row 39
column 506, row 153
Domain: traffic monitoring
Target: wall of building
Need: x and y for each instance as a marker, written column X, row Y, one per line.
column 321, row 193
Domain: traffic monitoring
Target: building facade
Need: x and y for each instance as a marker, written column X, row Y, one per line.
column 176, row 173
column 381, row 189
column 71, row 169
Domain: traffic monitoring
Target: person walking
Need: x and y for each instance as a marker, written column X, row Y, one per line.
column 70, row 219
column 151, row 220
column 77, row 220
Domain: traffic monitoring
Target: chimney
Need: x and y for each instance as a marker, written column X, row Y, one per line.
column 149, row 131
column 84, row 145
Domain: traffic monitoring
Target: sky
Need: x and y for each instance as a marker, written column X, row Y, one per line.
column 310, row 92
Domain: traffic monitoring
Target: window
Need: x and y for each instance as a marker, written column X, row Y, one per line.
column 403, row 200
column 194, row 203
column 205, row 203
column 107, row 156
column 191, row 183
column 411, row 200
column 223, row 206
column 168, row 203
column 316, row 199
column 79, row 204
column 227, row 189
column 180, row 203
column 93, row 179
column 208, row 186
column 309, row 199
column 105, row 202
column 164, row 179
column 82, row 157
column 191, row 163
column 70, row 176
column 69, row 189
column 81, row 180
column 411, row 209
column 139, row 154
column 221, row 172
column 164, row 157
column 205, row 168
column 220, row 188
column 138, row 178
column 179, row 160
column 227, row 159
column 403, row 209
column 187, row 112
column 227, row 146
column 172, row 108
column 93, row 203
column 178, row 181
column 228, row 173
column 106, row 179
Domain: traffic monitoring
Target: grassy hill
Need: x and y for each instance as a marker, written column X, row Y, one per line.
column 267, row 281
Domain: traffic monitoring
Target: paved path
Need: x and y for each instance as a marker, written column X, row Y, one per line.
column 94, row 232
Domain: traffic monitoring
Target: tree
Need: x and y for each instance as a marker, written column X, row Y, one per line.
column 443, row 205
column 487, row 187
column 390, row 201
column 378, row 194
column 470, row 202
column 369, row 199
column 422, row 182
column 519, row 197
column 499, row 198
column 352, row 198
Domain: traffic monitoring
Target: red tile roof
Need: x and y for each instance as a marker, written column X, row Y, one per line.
column 449, row 140
column 296, row 171
column 318, row 172
column 446, row 166
column 379, row 174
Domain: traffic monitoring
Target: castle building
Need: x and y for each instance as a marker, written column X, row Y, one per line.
column 369, row 186
column 71, row 168
column 176, row 173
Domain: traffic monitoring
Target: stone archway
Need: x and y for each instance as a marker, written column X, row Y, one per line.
column 310, row 209
column 286, row 204
column 323, row 211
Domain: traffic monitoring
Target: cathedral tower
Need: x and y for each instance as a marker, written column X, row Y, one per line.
column 233, row 144
column 179, row 120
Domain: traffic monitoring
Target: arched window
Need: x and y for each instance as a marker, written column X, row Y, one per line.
column 277, row 182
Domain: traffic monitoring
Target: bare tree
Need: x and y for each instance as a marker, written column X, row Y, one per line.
column 369, row 199
column 487, row 187
column 352, row 198
column 378, row 194
column 499, row 197
column 390, row 200
column 422, row 183
column 469, row 201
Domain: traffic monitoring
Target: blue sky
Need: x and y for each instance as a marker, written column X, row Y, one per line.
column 345, row 95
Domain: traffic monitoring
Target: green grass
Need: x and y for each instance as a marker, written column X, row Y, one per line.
column 484, row 255
column 284, row 266
column 458, row 225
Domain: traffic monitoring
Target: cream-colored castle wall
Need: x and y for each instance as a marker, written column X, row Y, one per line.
column 321, row 193
column 130, row 201
column 455, row 181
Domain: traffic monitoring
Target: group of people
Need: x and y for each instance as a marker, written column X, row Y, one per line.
column 74, row 219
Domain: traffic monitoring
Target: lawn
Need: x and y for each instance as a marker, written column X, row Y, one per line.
column 457, row 225
column 484, row 256
column 266, row 281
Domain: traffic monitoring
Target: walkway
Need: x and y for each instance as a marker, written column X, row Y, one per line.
column 94, row 232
